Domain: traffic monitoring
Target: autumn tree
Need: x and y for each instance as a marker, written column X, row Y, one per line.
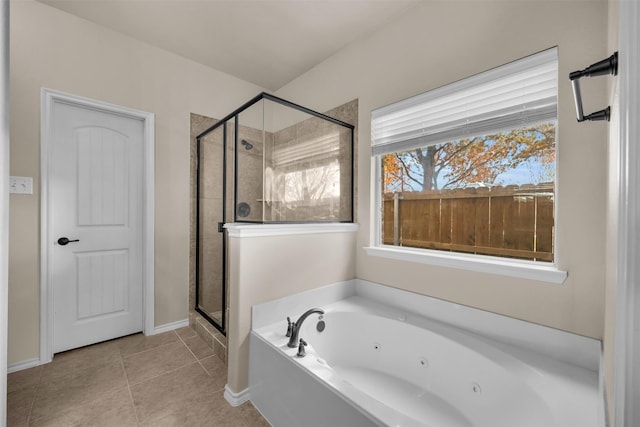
column 467, row 161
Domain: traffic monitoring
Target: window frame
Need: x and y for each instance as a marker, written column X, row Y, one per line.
column 518, row 268
column 523, row 269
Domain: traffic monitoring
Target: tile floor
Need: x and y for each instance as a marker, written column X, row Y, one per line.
column 169, row 379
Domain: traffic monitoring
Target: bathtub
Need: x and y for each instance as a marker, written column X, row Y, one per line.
column 375, row 364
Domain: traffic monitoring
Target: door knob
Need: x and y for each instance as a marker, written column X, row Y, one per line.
column 64, row 241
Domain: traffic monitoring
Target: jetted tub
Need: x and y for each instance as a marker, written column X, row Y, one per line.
column 373, row 364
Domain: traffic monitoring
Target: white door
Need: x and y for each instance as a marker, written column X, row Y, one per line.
column 95, row 203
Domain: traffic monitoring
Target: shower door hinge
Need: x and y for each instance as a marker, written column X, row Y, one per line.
column 220, row 227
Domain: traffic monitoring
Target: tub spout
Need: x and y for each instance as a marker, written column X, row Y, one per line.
column 293, row 340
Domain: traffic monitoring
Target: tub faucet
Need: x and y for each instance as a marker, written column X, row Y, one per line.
column 293, row 340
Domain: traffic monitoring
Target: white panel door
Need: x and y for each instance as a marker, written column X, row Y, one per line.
column 96, row 196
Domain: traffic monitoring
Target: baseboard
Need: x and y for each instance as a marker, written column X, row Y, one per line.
column 236, row 399
column 25, row 364
column 170, row 326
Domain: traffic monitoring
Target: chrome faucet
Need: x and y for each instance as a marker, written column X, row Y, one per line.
column 295, row 329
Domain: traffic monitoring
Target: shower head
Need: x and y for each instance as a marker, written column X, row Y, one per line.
column 247, row 144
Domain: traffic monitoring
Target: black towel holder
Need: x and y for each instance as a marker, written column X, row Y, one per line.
column 601, row 68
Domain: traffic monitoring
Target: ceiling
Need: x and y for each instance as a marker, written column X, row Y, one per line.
column 265, row 42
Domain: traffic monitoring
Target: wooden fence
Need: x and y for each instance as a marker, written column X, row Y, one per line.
column 513, row 221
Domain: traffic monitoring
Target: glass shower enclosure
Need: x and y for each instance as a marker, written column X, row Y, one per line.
column 269, row 161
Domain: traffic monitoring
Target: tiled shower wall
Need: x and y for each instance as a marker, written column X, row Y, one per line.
column 250, row 168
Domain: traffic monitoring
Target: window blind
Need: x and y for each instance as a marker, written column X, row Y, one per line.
column 326, row 146
column 515, row 95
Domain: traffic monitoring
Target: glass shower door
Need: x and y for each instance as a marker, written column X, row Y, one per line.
column 210, row 244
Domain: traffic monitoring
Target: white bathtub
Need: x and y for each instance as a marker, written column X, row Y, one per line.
column 378, row 365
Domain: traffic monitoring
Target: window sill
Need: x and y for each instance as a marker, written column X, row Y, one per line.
column 265, row 230
column 480, row 263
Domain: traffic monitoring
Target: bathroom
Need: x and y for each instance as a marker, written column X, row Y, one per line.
column 54, row 49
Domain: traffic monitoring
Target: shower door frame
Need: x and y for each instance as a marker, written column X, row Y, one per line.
column 234, row 115
column 310, row 112
column 222, row 326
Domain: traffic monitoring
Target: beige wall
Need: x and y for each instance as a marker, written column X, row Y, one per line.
column 438, row 43
column 53, row 49
column 266, row 268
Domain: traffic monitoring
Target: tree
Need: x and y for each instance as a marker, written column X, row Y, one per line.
column 478, row 160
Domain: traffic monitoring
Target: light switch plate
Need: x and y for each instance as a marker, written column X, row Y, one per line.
column 21, row 185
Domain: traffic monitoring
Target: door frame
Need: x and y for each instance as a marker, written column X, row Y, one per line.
column 48, row 98
column 626, row 376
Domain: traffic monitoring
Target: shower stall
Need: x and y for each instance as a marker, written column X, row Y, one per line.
column 269, row 161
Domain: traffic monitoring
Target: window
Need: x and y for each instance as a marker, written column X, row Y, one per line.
column 313, row 184
column 470, row 167
column 308, row 176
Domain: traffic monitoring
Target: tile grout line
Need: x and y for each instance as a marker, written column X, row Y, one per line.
column 191, row 351
column 140, row 418
column 35, row 394
column 165, row 373
column 42, row 379
column 200, row 360
column 169, row 371
column 126, row 377
column 149, row 349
